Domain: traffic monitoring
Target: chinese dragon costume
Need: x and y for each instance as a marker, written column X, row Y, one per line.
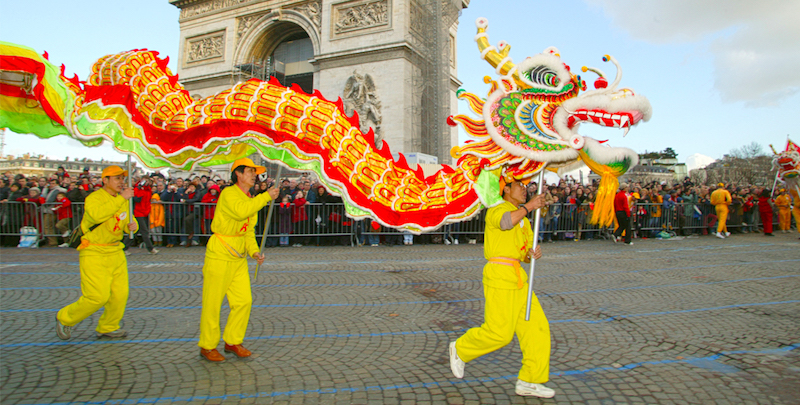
column 529, row 122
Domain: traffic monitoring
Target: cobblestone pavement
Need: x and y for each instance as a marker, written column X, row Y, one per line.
column 698, row 321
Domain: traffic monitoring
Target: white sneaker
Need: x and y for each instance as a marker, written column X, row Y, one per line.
column 719, row 235
column 455, row 242
column 472, row 241
column 183, row 243
column 374, row 245
column 195, row 243
column 64, row 245
column 154, row 251
column 447, row 241
column 65, row 234
column 456, row 364
column 727, row 234
column 127, row 253
column 527, row 389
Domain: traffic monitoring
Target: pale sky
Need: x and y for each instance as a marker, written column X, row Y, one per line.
column 719, row 73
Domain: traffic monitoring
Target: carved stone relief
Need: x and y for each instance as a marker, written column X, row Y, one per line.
column 243, row 24
column 360, row 95
column 206, row 47
column 209, row 6
column 312, row 10
column 348, row 17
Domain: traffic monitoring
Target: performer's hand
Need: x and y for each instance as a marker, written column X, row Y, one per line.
column 127, row 193
column 536, row 254
column 273, row 192
column 259, row 258
column 535, row 203
column 131, row 226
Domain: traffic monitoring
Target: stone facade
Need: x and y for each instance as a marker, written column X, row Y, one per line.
column 370, row 37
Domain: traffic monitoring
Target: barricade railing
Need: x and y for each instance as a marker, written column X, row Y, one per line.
column 320, row 224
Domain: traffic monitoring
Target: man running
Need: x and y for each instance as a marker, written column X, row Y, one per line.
column 104, row 269
column 508, row 241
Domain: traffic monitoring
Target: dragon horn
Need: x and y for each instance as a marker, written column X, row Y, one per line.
column 773, row 149
column 499, row 60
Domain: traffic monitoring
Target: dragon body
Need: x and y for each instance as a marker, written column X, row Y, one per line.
column 530, row 122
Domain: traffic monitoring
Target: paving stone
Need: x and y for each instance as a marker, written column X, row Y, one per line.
column 688, row 321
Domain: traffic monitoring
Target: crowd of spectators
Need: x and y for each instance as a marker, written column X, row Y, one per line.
column 178, row 211
column 660, row 210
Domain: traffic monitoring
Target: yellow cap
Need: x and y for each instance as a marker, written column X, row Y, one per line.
column 721, row 185
column 249, row 163
column 113, row 170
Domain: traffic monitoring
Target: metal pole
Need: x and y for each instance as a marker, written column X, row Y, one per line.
column 269, row 219
column 775, row 183
column 537, row 221
column 130, row 200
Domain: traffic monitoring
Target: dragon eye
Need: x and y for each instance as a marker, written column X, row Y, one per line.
column 542, row 75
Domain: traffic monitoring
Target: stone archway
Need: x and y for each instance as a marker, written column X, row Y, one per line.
column 280, row 44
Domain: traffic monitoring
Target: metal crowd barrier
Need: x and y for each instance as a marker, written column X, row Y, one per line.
column 327, row 224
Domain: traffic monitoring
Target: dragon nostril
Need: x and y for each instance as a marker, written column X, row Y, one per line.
column 600, row 83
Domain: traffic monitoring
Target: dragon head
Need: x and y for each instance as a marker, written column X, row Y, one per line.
column 787, row 163
column 534, row 111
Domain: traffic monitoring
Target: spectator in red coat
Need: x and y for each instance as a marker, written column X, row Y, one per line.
column 623, row 212
column 64, row 215
column 300, row 219
column 209, row 200
column 31, row 211
column 142, row 194
column 765, row 211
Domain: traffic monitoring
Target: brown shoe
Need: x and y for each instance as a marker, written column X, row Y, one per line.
column 238, row 350
column 212, row 355
column 189, row 240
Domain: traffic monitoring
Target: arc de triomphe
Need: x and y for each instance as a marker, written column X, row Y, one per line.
column 393, row 61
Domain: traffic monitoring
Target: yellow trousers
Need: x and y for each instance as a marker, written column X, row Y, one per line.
column 221, row 278
column 796, row 214
column 722, row 217
column 104, row 284
column 505, row 315
column 784, row 219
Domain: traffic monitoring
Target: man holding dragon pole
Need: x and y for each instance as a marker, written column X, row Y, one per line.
column 225, row 269
column 509, row 241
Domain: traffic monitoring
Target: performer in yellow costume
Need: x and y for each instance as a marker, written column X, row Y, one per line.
column 104, row 269
column 508, row 241
column 796, row 207
column 784, row 203
column 225, row 269
column 721, row 199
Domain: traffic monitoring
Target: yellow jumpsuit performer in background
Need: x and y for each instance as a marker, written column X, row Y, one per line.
column 796, row 208
column 508, row 241
column 225, row 269
column 784, row 203
column 721, row 199
column 104, row 269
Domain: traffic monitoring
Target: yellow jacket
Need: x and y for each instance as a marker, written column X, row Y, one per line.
column 234, row 223
column 657, row 200
column 113, row 214
column 156, row 212
column 720, row 196
column 783, row 202
column 513, row 243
